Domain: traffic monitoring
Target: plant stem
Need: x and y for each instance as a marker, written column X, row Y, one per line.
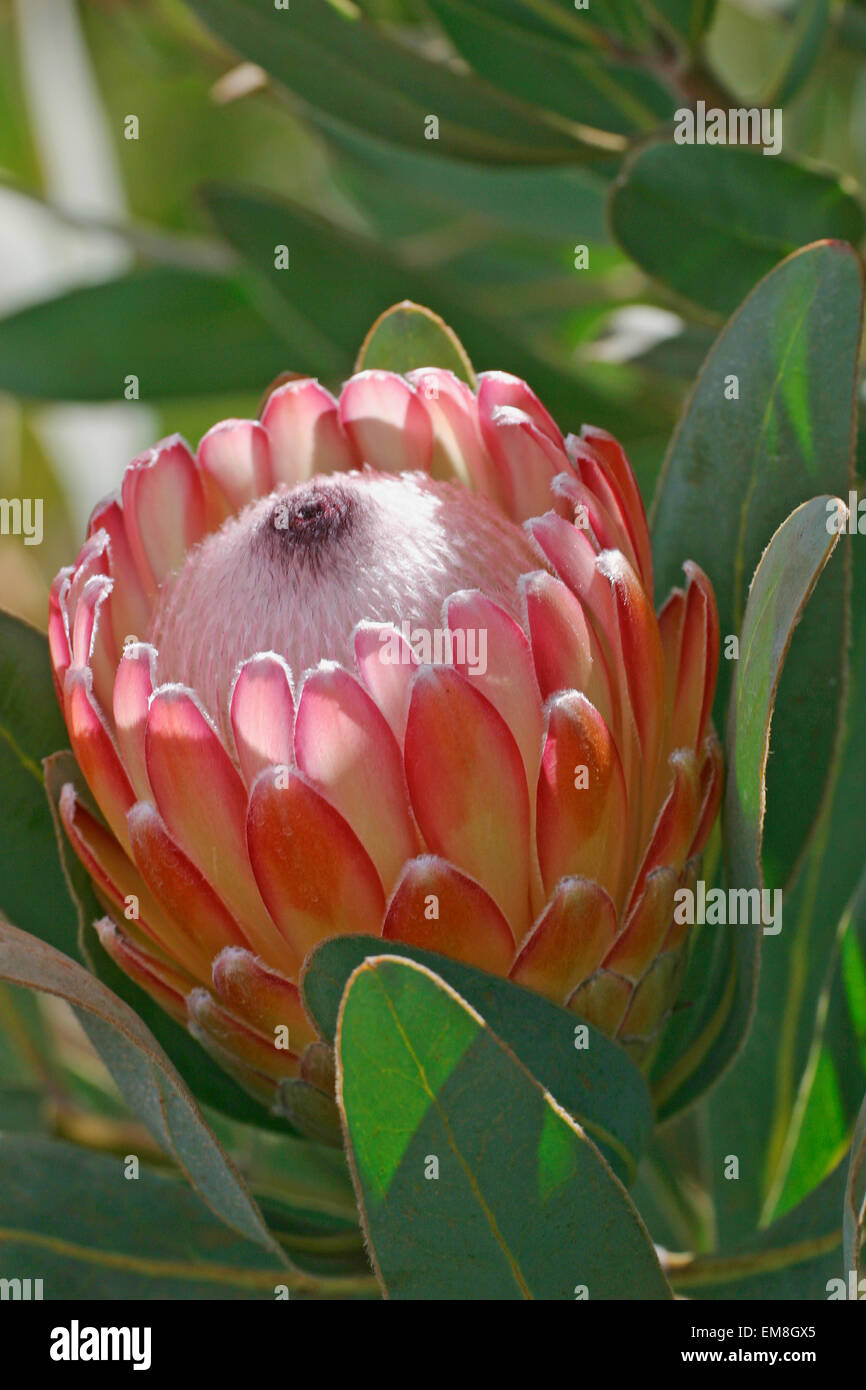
column 688, row 1271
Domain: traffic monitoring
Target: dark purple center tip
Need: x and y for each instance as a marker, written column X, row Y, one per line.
column 311, row 518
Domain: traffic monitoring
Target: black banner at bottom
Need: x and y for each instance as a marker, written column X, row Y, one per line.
column 59, row 1339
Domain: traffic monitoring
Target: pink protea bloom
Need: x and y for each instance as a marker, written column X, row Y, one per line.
column 389, row 665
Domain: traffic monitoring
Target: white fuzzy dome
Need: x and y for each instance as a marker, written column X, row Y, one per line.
column 296, row 571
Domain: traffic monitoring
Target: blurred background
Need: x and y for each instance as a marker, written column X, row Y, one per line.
column 136, row 147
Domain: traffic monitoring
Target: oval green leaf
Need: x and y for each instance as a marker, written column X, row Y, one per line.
column 181, row 333
column 709, row 221
column 597, row 1083
column 473, row 1181
column 407, row 336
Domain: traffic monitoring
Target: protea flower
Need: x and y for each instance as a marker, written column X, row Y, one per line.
column 389, row 665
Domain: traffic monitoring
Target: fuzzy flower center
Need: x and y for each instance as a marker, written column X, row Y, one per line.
column 296, row 571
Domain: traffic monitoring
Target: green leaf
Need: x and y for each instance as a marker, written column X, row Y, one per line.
column 789, row 1105
column 854, row 1211
column 145, row 1076
column 32, row 889
column 805, row 43
column 598, row 1084
column 783, row 581
column 818, row 1073
column 546, row 203
column 737, row 467
column 582, row 86
column 350, row 73
column 72, row 1219
column 819, row 1063
column 181, row 333
column 408, row 336
column 708, row 221
column 523, row 1205
column 76, row 1221
column 616, row 25
column 814, row 1079
column 785, row 578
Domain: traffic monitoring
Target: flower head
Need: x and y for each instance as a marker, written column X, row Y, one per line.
column 389, row 665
